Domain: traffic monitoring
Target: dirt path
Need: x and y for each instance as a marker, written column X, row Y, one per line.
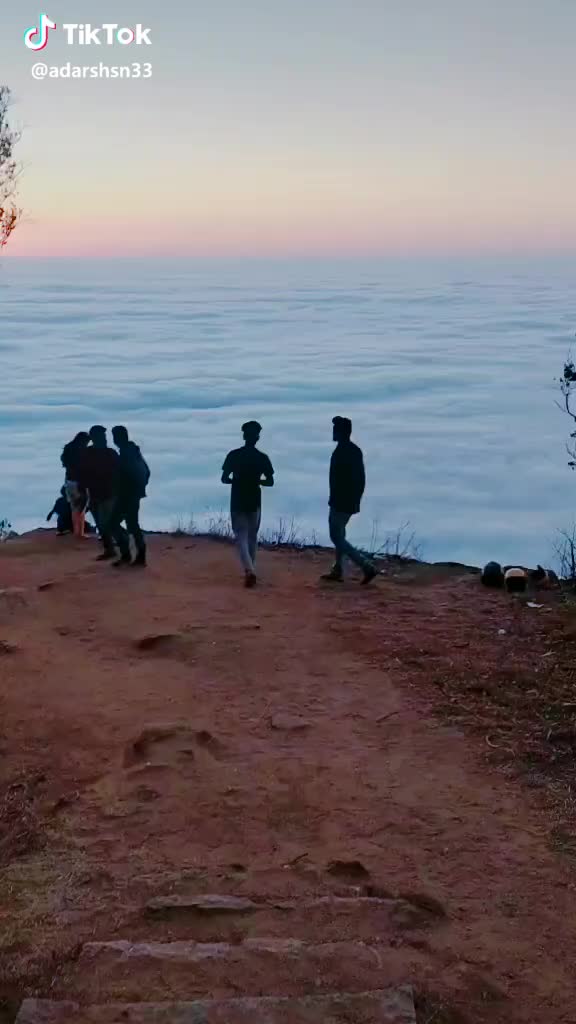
column 274, row 745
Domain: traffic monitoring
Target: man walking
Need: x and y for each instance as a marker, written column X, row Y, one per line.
column 247, row 469
column 132, row 481
column 347, row 483
column 98, row 474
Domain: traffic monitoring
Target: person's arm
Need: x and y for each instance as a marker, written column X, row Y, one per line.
column 50, row 514
column 81, row 471
column 360, row 475
column 332, row 478
column 227, row 470
column 268, row 474
column 117, row 471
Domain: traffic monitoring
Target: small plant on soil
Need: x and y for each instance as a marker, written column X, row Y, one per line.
column 565, row 548
column 400, row 544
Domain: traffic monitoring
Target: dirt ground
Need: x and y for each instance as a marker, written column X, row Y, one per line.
column 168, row 732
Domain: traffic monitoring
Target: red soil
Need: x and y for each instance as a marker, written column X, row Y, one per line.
column 130, row 770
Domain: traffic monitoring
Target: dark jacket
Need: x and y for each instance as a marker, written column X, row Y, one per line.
column 133, row 473
column 72, row 457
column 347, row 478
column 98, row 473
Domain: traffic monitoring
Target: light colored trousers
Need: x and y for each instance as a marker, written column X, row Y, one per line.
column 338, row 522
column 245, row 529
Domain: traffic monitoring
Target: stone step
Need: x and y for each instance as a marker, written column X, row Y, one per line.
column 123, row 970
column 322, row 919
column 391, row 1006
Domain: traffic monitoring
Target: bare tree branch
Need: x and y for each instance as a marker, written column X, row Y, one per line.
column 567, row 383
column 9, row 211
column 565, row 548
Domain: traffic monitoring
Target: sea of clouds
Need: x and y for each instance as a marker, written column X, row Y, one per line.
column 446, row 369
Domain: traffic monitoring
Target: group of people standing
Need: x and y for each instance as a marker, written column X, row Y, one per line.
column 111, row 484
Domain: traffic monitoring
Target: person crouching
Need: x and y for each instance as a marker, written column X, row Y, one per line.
column 63, row 511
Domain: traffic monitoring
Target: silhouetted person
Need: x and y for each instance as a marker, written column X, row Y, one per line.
column 63, row 512
column 98, row 474
column 347, row 483
column 71, row 459
column 247, row 469
column 133, row 477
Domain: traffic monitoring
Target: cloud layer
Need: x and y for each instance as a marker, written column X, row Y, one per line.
column 448, row 377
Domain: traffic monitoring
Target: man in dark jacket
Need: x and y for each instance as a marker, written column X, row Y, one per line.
column 133, row 476
column 347, row 483
column 97, row 474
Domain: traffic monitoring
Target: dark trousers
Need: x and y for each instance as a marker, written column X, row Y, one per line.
column 338, row 522
column 64, row 520
column 128, row 511
column 103, row 512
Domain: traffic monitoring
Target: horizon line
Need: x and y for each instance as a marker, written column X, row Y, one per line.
column 403, row 255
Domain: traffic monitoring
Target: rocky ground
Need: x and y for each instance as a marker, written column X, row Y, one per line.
column 295, row 804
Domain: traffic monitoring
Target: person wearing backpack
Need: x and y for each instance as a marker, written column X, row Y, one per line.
column 132, row 481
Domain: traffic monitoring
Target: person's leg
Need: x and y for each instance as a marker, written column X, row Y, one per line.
column 135, row 530
column 103, row 512
column 119, row 534
column 74, row 498
column 337, row 523
column 240, row 526
column 93, row 508
column 353, row 554
column 253, row 528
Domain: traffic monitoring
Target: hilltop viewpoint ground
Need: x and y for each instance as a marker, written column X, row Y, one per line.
column 301, row 804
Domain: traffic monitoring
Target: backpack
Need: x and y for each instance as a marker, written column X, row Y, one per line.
column 139, row 471
column 142, row 473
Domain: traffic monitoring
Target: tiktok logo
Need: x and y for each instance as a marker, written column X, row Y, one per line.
column 36, row 38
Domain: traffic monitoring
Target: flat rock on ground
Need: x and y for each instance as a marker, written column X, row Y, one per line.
column 366, row 1008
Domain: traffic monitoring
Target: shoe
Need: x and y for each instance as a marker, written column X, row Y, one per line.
column 370, row 573
column 332, row 577
column 120, row 562
column 139, row 562
column 105, row 556
column 250, row 580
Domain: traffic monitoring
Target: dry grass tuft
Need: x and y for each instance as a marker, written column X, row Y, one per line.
column 22, row 830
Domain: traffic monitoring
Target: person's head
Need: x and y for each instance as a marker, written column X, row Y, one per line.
column 81, row 440
column 342, row 428
column 120, row 436
column 98, row 436
column 251, row 432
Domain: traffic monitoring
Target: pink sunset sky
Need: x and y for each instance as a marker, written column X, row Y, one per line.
column 275, row 128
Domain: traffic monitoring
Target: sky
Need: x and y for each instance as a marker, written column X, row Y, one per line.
column 275, row 128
